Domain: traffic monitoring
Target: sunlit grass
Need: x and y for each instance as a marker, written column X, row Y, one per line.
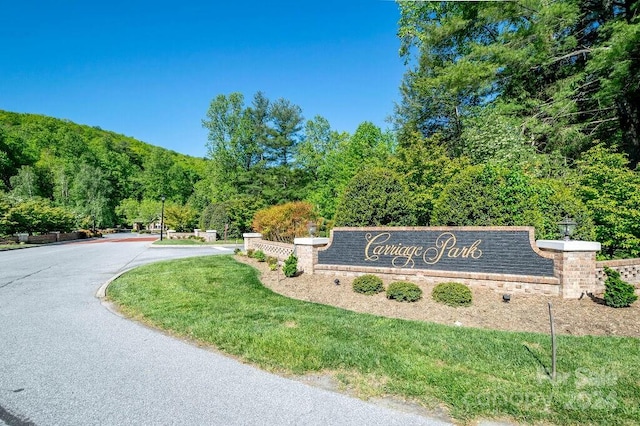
column 192, row 242
column 473, row 372
column 4, row 247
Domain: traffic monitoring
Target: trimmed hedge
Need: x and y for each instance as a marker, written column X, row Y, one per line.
column 404, row 291
column 368, row 284
column 452, row 294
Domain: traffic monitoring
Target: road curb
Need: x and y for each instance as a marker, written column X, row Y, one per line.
column 102, row 291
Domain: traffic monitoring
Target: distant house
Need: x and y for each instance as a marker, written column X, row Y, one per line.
column 155, row 226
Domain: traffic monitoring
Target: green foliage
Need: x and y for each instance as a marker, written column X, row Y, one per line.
column 368, row 147
column 618, row 293
column 290, row 267
column 427, row 169
column 564, row 72
column 284, row 222
column 452, row 294
column 234, row 214
column 88, row 170
column 611, row 192
column 376, row 197
column 259, row 256
column 368, row 284
column 37, row 216
column 250, row 252
column 252, row 148
column 491, row 195
column 180, row 218
column 272, row 262
column 404, row 291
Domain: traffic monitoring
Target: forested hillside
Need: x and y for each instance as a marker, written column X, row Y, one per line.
column 88, row 172
column 511, row 113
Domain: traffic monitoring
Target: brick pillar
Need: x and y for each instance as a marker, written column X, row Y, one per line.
column 574, row 265
column 250, row 239
column 306, row 250
column 211, row 235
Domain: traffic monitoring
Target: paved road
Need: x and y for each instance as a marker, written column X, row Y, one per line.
column 67, row 360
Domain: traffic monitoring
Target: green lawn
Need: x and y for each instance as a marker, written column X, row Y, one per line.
column 15, row 246
column 474, row 373
column 192, row 242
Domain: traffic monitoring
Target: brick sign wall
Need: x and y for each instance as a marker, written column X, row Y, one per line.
column 497, row 250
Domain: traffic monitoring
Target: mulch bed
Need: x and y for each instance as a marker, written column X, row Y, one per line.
column 523, row 313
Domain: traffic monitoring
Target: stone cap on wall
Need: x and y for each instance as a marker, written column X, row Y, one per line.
column 318, row 241
column 252, row 235
column 570, row 245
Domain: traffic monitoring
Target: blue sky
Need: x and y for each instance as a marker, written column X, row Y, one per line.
column 150, row 69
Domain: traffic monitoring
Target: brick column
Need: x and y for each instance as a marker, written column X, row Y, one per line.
column 250, row 239
column 306, row 250
column 574, row 265
column 211, row 235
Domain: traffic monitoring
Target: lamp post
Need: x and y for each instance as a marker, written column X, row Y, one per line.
column 311, row 227
column 567, row 227
column 162, row 218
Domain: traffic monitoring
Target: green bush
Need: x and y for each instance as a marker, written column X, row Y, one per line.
column 284, row 222
column 618, row 294
column 290, row 268
column 404, row 291
column 272, row 262
column 237, row 251
column 497, row 195
column 259, row 256
column 376, row 197
column 250, row 252
column 368, row 284
column 452, row 294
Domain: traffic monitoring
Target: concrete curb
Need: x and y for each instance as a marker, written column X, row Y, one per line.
column 102, row 291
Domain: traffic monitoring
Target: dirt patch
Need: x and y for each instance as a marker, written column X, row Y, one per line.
column 522, row 313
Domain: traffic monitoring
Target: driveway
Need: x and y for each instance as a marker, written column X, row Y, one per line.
column 67, row 360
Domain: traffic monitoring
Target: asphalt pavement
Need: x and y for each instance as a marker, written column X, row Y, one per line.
column 65, row 359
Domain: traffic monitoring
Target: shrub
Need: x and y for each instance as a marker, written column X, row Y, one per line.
column 376, row 197
column 404, row 291
column 368, row 284
column 284, row 222
column 452, row 294
column 618, row 294
column 235, row 214
column 497, row 195
column 610, row 189
column 237, row 251
column 250, row 252
column 290, row 267
column 272, row 260
column 273, row 266
column 259, row 256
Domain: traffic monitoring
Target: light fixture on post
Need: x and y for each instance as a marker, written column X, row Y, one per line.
column 311, row 227
column 162, row 218
column 567, row 227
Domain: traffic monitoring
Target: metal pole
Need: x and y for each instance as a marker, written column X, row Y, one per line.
column 162, row 219
column 553, row 345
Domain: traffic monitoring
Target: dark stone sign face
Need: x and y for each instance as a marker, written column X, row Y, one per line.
column 464, row 249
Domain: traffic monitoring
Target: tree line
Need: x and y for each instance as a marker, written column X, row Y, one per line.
column 511, row 113
column 50, row 166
